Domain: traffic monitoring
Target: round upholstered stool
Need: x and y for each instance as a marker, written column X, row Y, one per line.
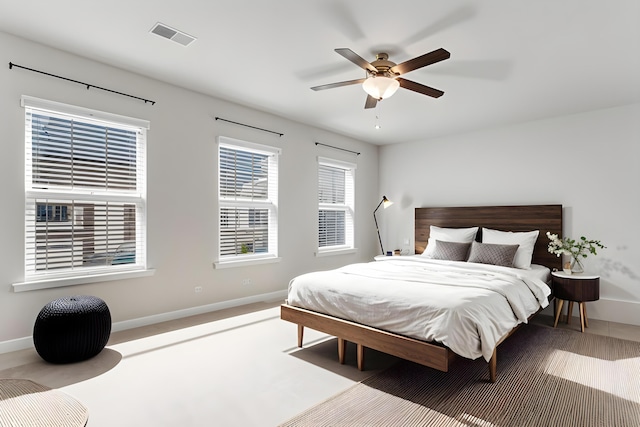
column 72, row 329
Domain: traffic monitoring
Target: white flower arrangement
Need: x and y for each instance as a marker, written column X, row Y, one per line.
column 578, row 249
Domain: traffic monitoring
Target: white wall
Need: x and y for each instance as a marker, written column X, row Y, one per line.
column 589, row 163
column 181, row 199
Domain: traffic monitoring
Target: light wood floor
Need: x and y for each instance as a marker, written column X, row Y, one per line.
column 598, row 327
column 235, row 367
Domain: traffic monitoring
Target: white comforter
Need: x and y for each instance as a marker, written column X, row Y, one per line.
column 466, row 306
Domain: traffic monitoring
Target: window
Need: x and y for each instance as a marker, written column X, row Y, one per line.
column 248, row 200
column 336, row 194
column 85, row 192
column 51, row 213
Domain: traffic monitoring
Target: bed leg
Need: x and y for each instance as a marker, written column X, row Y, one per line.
column 493, row 366
column 342, row 345
column 300, row 334
column 360, row 353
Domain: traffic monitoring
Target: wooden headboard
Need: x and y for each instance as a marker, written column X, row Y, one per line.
column 506, row 218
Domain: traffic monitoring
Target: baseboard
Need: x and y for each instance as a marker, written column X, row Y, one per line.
column 27, row 342
column 614, row 311
column 609, row 310
column 179, row 314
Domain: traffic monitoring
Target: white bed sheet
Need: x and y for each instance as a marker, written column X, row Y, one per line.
column 466, row 306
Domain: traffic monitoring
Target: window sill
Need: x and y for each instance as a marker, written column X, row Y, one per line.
column 331, row 252
column 80, row 280
column 245, row 262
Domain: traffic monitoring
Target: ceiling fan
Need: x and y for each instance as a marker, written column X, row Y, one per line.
column 383, row 79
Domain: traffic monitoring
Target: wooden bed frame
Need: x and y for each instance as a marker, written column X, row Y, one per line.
column 507, row 218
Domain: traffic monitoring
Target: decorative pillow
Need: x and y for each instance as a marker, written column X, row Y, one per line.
column 526, row 240
column 464, row 235
column 488, row 253
column 451, row 251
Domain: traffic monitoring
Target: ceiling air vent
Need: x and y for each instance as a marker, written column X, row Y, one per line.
column 172, row 34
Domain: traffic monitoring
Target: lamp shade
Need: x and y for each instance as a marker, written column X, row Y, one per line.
column 380, row 87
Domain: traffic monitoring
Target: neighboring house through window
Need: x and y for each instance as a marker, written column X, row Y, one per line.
column 336, row 203
column 85, row 198
column 248, row 201
column 51, row 213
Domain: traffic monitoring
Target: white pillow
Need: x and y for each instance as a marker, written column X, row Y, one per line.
column 526, row 240
column 462, row 235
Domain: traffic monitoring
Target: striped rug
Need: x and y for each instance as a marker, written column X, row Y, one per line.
column 24, row 403
column 546, row 377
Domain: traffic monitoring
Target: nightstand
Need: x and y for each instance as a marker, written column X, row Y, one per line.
column 575, row 287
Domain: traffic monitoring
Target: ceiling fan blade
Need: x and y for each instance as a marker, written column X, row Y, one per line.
column 417, row 87
column 421, row 61
column 356, row 59
column 339, row 84
column 371, row 102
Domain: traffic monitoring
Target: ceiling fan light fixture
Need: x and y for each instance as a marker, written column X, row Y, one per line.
column 380, row 87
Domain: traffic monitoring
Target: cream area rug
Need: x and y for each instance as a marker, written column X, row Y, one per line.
column 546, row 377
column 25, row 403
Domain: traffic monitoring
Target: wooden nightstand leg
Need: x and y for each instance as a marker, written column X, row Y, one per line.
column 558, row 311
column 584, row 309
column 569, row 312
column 342, row 344
column 583, row 316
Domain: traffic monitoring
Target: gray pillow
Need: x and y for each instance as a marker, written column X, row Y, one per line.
column 451, row 251
column 489, row 253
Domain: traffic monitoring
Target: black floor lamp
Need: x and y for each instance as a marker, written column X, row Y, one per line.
column 385, row 204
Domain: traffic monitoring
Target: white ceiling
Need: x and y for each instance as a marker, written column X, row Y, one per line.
column 511, row 60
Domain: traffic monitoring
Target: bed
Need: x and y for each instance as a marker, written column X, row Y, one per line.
column 379, row 304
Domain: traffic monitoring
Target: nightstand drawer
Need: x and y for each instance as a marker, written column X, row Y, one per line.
column 576, row 289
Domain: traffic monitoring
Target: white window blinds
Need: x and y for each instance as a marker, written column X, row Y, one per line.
column 248, row 200
column 336, row 194
column 85, row 210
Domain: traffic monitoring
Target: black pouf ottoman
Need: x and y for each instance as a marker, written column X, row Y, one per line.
column 72, row 329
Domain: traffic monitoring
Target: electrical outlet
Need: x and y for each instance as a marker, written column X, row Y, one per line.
column 198, row 289
column 246, row 282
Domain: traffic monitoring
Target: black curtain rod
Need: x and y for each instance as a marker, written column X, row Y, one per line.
column 338, row 148
column 249, row 126
column 11, row 65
